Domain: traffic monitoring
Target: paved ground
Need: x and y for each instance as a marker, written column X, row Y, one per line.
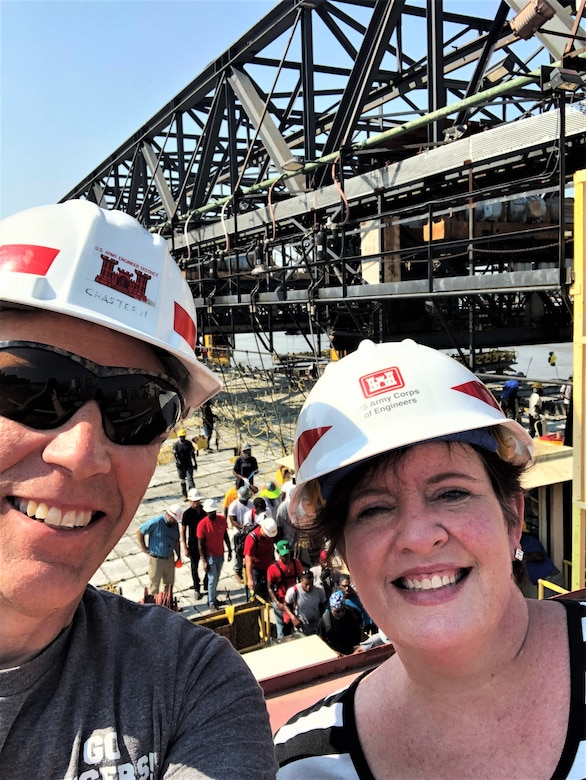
column 126, row 566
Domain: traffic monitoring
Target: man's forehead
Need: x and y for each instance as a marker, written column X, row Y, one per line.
column 95, row 342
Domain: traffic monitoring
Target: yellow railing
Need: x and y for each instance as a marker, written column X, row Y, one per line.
column 246, row 626
column 542, row 585
column 568, row 572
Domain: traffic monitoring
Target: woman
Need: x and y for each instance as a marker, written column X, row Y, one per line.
column 412, row 473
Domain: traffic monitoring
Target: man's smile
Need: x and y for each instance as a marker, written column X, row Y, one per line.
column 53, row 515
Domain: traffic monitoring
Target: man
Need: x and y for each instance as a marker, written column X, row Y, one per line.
column 185, row 461
column 259, row 505
column 272, row 495
column 282, row 575
column 236, row 513
column 305, row 604
column 208, row 419
column 162, row 546
column 566, row 395
column 239, row 507
column 285, row 529
column 189, row 544
column 212, row 532
column 509, row 398
column 339, row 626
column 536, row 410
column 230, row 495
column 246, row 523
column 324, row 576
column 353, row 601
column 79, row 442
column 245, row 467
column 259, row 553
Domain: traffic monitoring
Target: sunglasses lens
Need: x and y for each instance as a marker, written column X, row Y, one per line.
column 137, row 408
column 43, row 389
column 38, row 388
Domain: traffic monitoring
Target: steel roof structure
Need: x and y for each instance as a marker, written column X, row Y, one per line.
column 376, row 168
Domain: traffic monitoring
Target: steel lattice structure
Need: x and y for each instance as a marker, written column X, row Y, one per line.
column 344, row 166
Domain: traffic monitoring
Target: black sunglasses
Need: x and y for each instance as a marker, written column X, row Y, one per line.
column 43, row 387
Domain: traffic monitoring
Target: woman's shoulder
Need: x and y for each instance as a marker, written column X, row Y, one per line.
column 322, row 740
column 558, row 625
column 571, row 762
column 563, row 608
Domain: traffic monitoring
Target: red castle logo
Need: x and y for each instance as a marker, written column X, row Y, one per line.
column 122, row 281
column 382, row 381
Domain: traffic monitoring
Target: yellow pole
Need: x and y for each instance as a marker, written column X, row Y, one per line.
column 578, row 392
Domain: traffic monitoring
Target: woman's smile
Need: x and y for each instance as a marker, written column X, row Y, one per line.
column 430, row 532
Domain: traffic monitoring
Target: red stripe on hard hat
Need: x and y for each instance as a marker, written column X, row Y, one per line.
column 26, row 258
column 184, row 325
column 307, row 441
column 477, row 390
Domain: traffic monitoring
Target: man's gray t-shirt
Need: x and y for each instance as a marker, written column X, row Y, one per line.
column 306, row 604
column 135, row 692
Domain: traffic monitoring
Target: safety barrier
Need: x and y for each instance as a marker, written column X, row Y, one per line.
column 542, row 585
column 568, row 572
column 246, row 626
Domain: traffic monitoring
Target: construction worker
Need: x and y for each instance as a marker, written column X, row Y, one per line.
column 185, row 461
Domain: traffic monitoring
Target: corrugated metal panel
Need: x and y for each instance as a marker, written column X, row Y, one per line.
column 488, row 146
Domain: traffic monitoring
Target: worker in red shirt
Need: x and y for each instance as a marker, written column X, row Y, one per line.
column 282, row 574
column 212, row 532
column 259, row 553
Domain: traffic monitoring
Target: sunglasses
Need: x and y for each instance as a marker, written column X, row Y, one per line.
column 43, row 387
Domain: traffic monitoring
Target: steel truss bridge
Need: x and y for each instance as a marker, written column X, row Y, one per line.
column 376, row 168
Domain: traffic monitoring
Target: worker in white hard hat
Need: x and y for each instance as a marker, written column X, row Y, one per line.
column 412, row 474
column 158, row 537
column 97, row 366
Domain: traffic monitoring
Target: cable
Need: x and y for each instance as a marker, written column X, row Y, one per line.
column 341, row 191
column 257, row 130
column 271, row 208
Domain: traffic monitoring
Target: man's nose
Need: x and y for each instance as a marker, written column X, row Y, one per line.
column 80, row 445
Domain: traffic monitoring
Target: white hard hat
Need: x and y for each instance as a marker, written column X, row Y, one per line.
column 175, row 511
column 267, row 524
column 102, row 266
column 394, row 394
column 193, row 494
column 209, row 506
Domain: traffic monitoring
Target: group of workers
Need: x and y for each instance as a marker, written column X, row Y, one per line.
column 405, row 465
column 536, row 405
column 308, row 596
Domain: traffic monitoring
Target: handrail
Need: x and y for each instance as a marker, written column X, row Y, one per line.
column 543, row 584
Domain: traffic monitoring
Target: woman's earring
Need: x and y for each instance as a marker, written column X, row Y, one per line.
column 519, row 554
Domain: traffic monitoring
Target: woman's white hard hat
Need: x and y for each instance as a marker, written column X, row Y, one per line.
column 385, row 396
column 101, row 266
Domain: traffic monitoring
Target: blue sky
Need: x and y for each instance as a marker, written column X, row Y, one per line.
column 78, row 77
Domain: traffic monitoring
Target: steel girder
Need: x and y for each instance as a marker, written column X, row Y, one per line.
column 367, row 68
column 342, row 88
